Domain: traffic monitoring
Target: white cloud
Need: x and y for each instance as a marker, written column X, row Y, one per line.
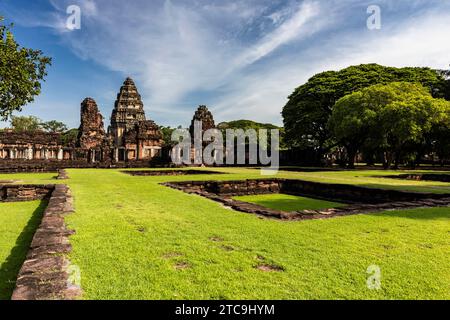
column 418, row 42
column 177, row 49
column 242, row 57
column 291, row 29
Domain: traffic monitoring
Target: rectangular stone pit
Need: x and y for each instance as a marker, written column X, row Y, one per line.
column 359, row 199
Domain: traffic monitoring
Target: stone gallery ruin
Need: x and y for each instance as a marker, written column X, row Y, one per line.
column 130, row 139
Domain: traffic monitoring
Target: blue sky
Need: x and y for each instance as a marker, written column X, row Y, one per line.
column 241, row 58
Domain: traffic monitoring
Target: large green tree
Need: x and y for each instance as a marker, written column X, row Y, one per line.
column 396, row 117
column 309, row 108
column 252, row 125
column 70, row 137
column 26, row 123
column 54, row 126
column 21, row 72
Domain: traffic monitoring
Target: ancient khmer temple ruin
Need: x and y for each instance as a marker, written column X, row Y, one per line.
column 204, row 119
column 92, row 141
column 130, row 137
column 39, row 146
column 133, row 137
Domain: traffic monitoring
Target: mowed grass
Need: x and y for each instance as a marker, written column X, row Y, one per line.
column 137, row 239
column 18, row 222
column 285, row 202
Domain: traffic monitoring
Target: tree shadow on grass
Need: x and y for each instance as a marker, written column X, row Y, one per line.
column 11, row 267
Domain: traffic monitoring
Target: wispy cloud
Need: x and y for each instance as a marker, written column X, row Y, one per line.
column 262, row 93
column 291, row 29
column 244, row 57
column 176, row 49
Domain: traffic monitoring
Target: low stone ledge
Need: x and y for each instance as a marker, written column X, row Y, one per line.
column 45, row 272
column 27, row 192
column 421, row 177
column 319, row 190
column 62, row 174
column 328, row 213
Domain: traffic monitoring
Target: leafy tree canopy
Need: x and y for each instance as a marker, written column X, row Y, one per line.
column 70, row 137
column 167, row 135
column 54, row 126
column 309, row 108
column 246, row 125
column 25, row 123
column 21, row 73
column 394, row 117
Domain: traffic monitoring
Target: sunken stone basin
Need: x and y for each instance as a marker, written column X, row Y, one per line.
column 358, row 199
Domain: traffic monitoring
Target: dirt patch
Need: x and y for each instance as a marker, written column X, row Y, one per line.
column 227, row 248
column 270, row 268
column 216, row 239
column 425, row 246
column 141, row 229
column 171, row 255
column 182, row 265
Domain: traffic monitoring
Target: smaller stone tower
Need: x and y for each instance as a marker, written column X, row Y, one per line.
column 205, row 117
column 91, row 134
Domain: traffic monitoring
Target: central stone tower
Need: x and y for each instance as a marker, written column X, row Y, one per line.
column 128, row 109
column 133, row 137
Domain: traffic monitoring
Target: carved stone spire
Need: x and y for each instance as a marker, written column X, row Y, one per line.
column 128, row 108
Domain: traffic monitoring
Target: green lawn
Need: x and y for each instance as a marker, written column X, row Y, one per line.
column 285, row 202
column 136, row 239
column 18, row 222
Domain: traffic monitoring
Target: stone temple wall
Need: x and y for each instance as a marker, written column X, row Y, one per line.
column 15, row 193
column 91, row 134
column 131, row 140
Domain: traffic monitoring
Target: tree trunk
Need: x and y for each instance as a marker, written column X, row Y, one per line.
column 351, row 154
column 397, row 160
column 387, row 160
